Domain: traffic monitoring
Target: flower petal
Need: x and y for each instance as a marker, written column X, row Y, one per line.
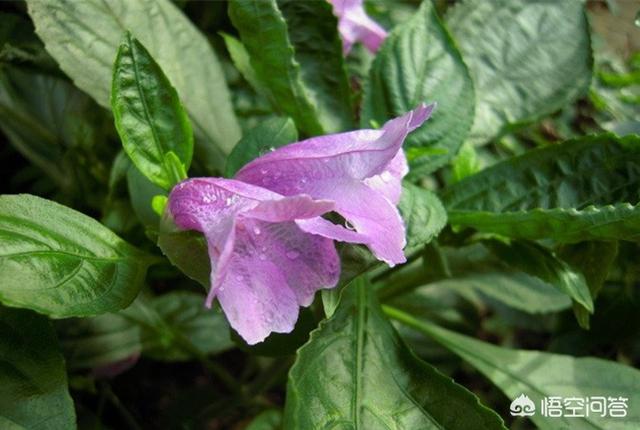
column 389, row 182
column 274, row 269
column 355, row 25
column 294, row 169
column 360, row 171
column 289, row 208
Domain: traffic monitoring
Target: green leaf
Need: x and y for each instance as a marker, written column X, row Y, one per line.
column 538, row 261
column 302, row 66
column 582, row 189
column 242, row 61
column 594, row 260
column 266, row 136
column 419, row 62
column 355, row 372
column 527, row 58
column 474, row 267
column 62, row 263
column 540, row 374
column 148, row 326
column 84, row 36
column 58, row 128
column 185, row 249
column 271, row 419
column 423, row 215
column 141, row 193
column 33, row 380
column 148, row 115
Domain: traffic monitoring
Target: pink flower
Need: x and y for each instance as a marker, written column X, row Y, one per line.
column 269, row 247
column 355, row 25
column 359, row 171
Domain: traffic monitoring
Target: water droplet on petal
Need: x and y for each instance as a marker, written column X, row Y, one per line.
column 263, row 249
column 239, row 278
column 257, row 230
column 263, row 171
column 262, row 257
column 272, row 149
column 349, row 226
column 292, row 255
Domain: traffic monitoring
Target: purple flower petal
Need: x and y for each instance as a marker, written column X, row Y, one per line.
column 361, row 171
column 264, row 266
column 355, row 25
column 275, row 268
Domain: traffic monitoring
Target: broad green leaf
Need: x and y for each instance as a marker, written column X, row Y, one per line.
column 539, row 374
column 149, row 326
column 150, row 120
column 528, row 58
column 62, row 263
column 582, row 189
column 538, row 261
column 418, row 63
column 266, row 136
column 466, row 270
column 355, row 372
column 423, row 215
column 84, row 37
column 33, row 380
column 302, row 65
column 58, row 128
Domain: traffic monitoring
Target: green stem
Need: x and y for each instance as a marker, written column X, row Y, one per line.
column 270, row 376
column 422, row 326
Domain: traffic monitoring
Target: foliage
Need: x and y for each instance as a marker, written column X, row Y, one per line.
column 521, row 212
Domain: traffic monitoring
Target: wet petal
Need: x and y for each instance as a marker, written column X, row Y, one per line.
column 360, row 171
column 355, row 25
column 275, row 268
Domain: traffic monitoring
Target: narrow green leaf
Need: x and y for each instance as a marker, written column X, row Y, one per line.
column 62, row 263
column 538, row 261
column 84, row 36
column 355, row 372
column 582, row 189
column 418, row 63
column 266, row 136
column 540, row 374
column 33, row 380
column 149, row 117
column 594, row 260
column 528, row 58
column 302, row 65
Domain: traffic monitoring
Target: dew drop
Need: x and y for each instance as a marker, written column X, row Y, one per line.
column 271, row 149
column 262, row 257
column 386, row 176
column 292, row 255
column 263, row 171
column 637, row 21
column 239, row 278
column 349, row 226
column 257, row 230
